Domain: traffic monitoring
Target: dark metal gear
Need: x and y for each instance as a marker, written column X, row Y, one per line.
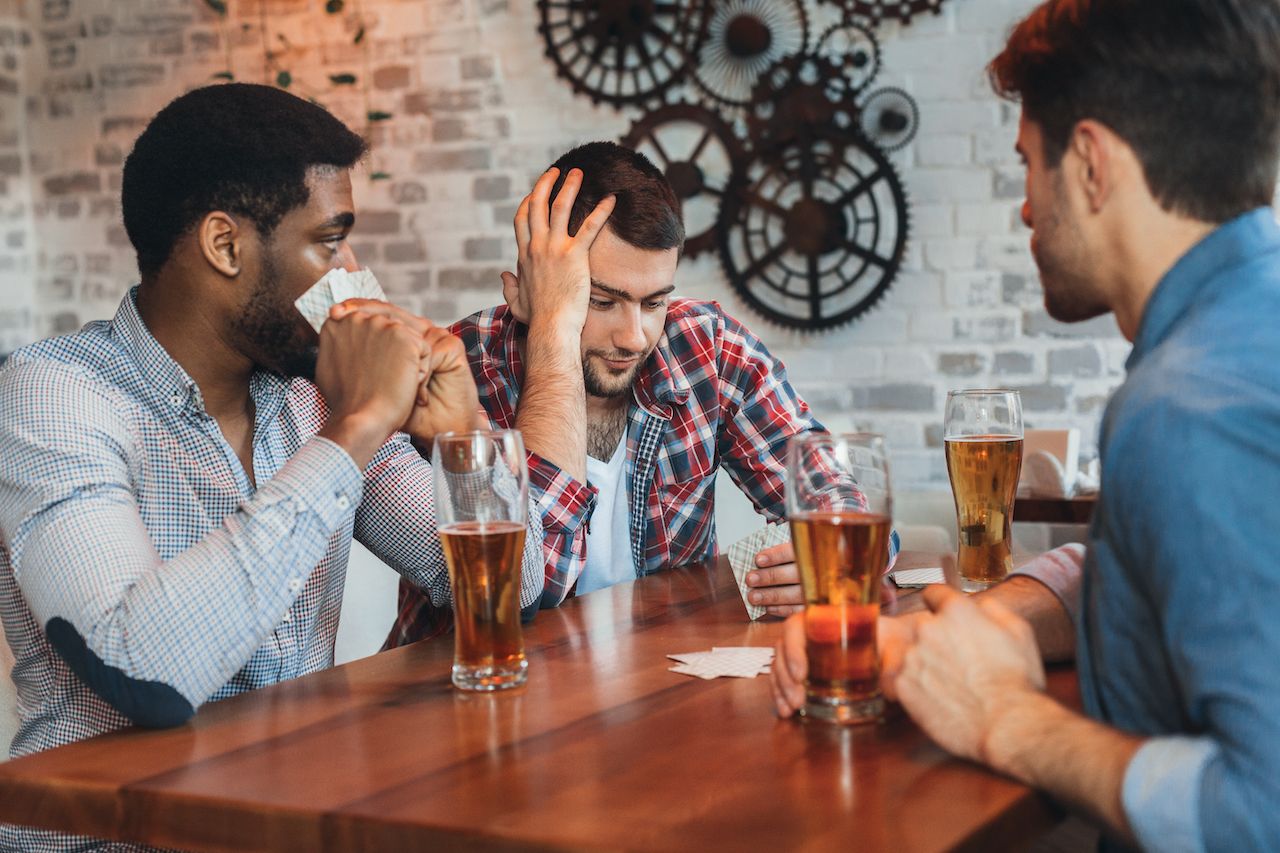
column 879, row 10
column 745, row 37
column 699, row 153
column 800, row 95
column 853, row 47
column 623, row 52
column 890, row 118
column 811, row 235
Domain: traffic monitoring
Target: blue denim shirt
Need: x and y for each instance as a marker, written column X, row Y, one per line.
column 1179, row 631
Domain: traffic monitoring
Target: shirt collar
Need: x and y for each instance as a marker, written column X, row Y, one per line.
column 1189, row 281
column 167, row 383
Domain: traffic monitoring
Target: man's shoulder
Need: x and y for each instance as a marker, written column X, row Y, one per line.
column 54, row 367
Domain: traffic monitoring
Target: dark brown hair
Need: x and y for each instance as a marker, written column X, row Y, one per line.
column 647, row 213
column 1193, row 86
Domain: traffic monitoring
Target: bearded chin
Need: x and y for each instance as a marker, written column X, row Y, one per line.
column 599, row 386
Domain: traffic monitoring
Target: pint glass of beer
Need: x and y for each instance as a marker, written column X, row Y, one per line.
column 481, row 493
column 983, row 437
column 840, row 507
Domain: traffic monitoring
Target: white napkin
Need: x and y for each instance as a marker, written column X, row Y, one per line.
column 334, row 287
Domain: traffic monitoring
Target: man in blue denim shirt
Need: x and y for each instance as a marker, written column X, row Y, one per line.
column 1150, row 131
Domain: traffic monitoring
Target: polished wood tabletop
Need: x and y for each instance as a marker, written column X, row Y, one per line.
column 604, row 748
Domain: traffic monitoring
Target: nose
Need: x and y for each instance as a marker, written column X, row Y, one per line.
column 1026, row 214
column 629, row 334
column 347, row 258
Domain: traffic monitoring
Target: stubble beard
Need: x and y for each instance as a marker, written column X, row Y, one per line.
column 270, row 331
column 599, row 381
column 1070, row 292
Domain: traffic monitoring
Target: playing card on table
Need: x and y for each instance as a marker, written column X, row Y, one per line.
column 742, row 558
column 729, row 661
column 910, row 578
column 337, row 286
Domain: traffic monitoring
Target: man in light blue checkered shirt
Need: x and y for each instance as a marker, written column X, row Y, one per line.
column 179, row 486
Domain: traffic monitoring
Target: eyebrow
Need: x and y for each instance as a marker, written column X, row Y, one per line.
column 626, row 297
column 346, row 219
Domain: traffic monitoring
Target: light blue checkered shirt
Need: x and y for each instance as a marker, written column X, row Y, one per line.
column 124, row 512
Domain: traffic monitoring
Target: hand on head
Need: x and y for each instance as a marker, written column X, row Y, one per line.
column 552, row 282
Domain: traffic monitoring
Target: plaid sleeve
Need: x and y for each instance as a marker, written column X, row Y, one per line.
column 154, row 638
column 761, row 411
column 566, row 505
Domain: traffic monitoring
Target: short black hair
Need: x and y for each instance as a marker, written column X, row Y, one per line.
column 1193, row 86
column 647, row 213
column 241, row 148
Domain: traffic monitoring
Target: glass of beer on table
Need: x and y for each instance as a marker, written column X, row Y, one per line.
column 982, row 433
column 840, row 507
column 481, row 494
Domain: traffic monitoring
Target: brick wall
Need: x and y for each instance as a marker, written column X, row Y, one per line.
column 477, row 113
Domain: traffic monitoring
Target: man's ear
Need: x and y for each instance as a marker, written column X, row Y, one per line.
column 221, row 241
column 1092, row 150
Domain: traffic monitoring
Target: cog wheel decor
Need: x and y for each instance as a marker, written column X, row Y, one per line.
column 812, row 234
column 622, row 52
column 854, row 50
column 879, row 10
column 745, row 37
column 698, row 152
column 799, row 95
column 890, row 118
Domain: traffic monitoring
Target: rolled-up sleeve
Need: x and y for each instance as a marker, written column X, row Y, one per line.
column 1161, row 793
column 1061, row 571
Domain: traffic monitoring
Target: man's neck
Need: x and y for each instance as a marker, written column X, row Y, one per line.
column 193, row 337
column 1146, row 251
column 606, row 424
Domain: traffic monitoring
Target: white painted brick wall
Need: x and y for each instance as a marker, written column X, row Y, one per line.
column 479, row 113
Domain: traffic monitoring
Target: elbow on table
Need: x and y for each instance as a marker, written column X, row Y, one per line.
column 152, row 704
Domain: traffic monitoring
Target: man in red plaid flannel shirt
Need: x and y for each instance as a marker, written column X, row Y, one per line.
column 629, row 400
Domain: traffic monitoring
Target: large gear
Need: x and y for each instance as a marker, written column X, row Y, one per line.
column 745, row 37
column 853, row 47
column 797, row 96
column 879, row 10
column 698, row 152
column 623, row 52
column 812, row 234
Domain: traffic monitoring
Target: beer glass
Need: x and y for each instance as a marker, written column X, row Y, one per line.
column 982, row 433
column 481, row 495
column 840, row 507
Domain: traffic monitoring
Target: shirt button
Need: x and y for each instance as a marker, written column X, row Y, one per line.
column 343, row 503
column 295, row 585
column 175, row 399
column 288, row 616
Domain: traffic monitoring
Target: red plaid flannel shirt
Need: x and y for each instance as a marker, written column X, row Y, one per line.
column 710, row 395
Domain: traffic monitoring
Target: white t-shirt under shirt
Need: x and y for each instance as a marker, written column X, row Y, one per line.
column 609, row 536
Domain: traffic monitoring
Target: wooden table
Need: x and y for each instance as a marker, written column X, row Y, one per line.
column 603, row 749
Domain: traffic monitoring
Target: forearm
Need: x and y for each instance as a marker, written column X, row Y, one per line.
column 551, row 413
column 1033, row 601
column 1074, row 759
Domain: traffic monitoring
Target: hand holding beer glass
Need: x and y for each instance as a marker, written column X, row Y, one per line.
column 983, row 437
column 840, row 507
column 481, row 490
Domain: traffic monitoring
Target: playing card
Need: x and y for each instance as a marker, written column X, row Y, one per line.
column 725, row 661
column 334, row 287
column 742, row 558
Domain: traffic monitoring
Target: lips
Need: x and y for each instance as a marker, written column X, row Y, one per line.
column 625, row 364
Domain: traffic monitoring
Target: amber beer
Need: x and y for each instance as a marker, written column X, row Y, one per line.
column 484, row 570
column 841, row 557
column 984, row 473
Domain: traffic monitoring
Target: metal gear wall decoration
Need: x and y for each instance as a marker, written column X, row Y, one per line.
column 744, row 38
column 773, row 139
